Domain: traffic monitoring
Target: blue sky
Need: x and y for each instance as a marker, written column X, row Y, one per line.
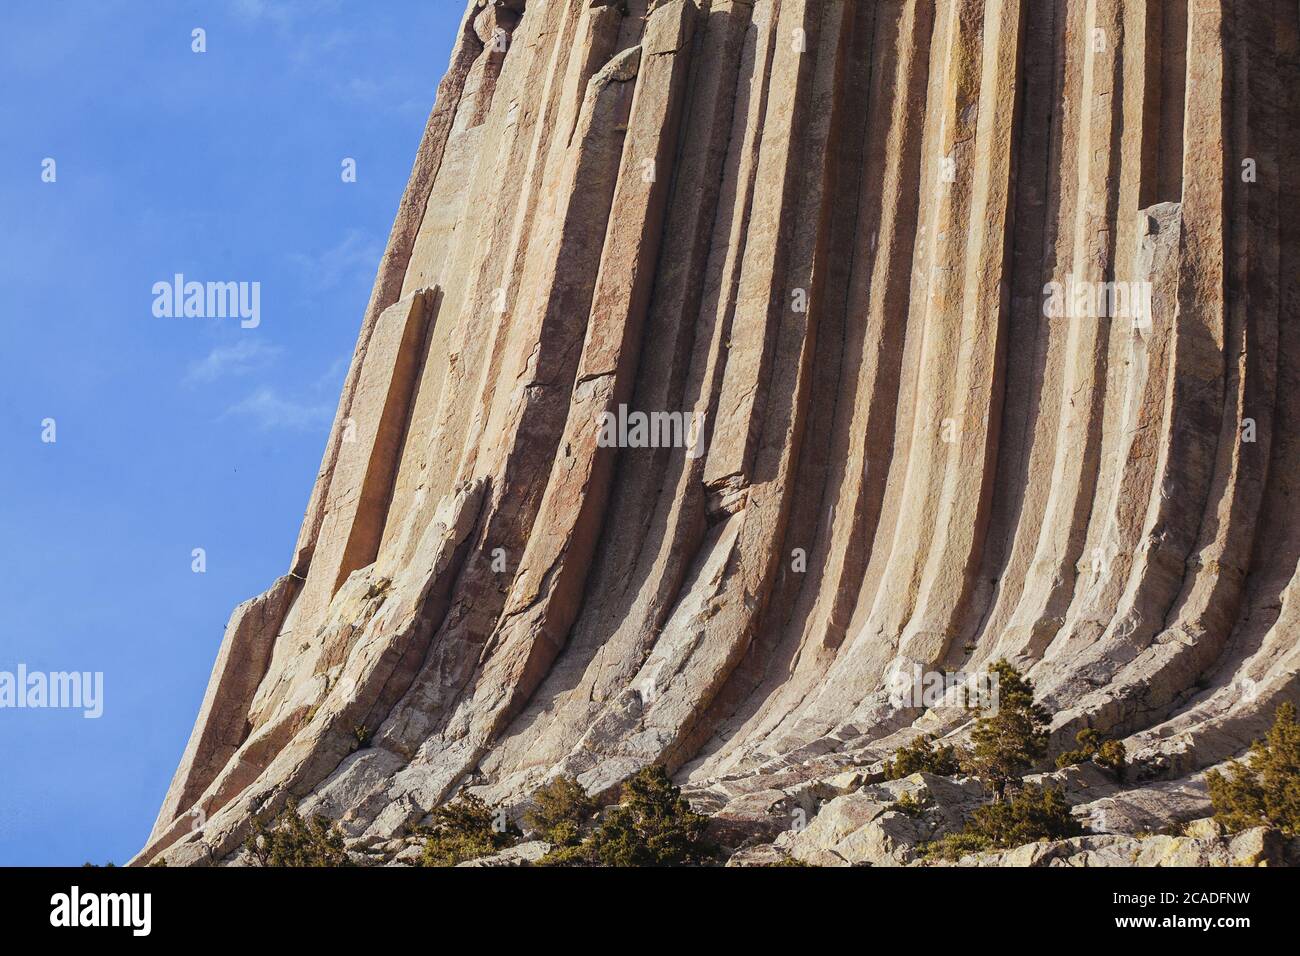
column 172, row 433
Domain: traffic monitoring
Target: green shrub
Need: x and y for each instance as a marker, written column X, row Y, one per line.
column 1009, row 741
column 922, row 755
column 1264, row 791
column 1088, row 740
column 465, row 829
column 954, row 846
column 1033, row 814
column 653, row 825
column 561, row 812
column 909, row 805
column 289, row 840
column 1109, row 754
column 1112, row 755
column 579, row 854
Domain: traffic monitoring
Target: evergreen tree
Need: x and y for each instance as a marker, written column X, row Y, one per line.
column 653, row 825
column 1033, row 814
column 292, row 841
column 922, row 755
column 1105, row 753
column 1011, row 738
column 561, row 812
column 1264, row 791
column 465, row 829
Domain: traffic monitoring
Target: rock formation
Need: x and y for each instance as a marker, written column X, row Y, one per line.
column 977, row 324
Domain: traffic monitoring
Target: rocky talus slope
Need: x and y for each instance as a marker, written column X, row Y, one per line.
column 825, row 235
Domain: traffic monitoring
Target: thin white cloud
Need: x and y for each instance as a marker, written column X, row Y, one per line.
column 388, row 94
column 281, row 12
column 293, row 20
column 356, row 251
column 277, row 12
column 246, row 355
column 269, row 410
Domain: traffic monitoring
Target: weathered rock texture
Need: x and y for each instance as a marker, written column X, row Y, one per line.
column 825, row 228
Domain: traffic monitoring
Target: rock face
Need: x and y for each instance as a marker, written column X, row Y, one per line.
column 965, row 329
